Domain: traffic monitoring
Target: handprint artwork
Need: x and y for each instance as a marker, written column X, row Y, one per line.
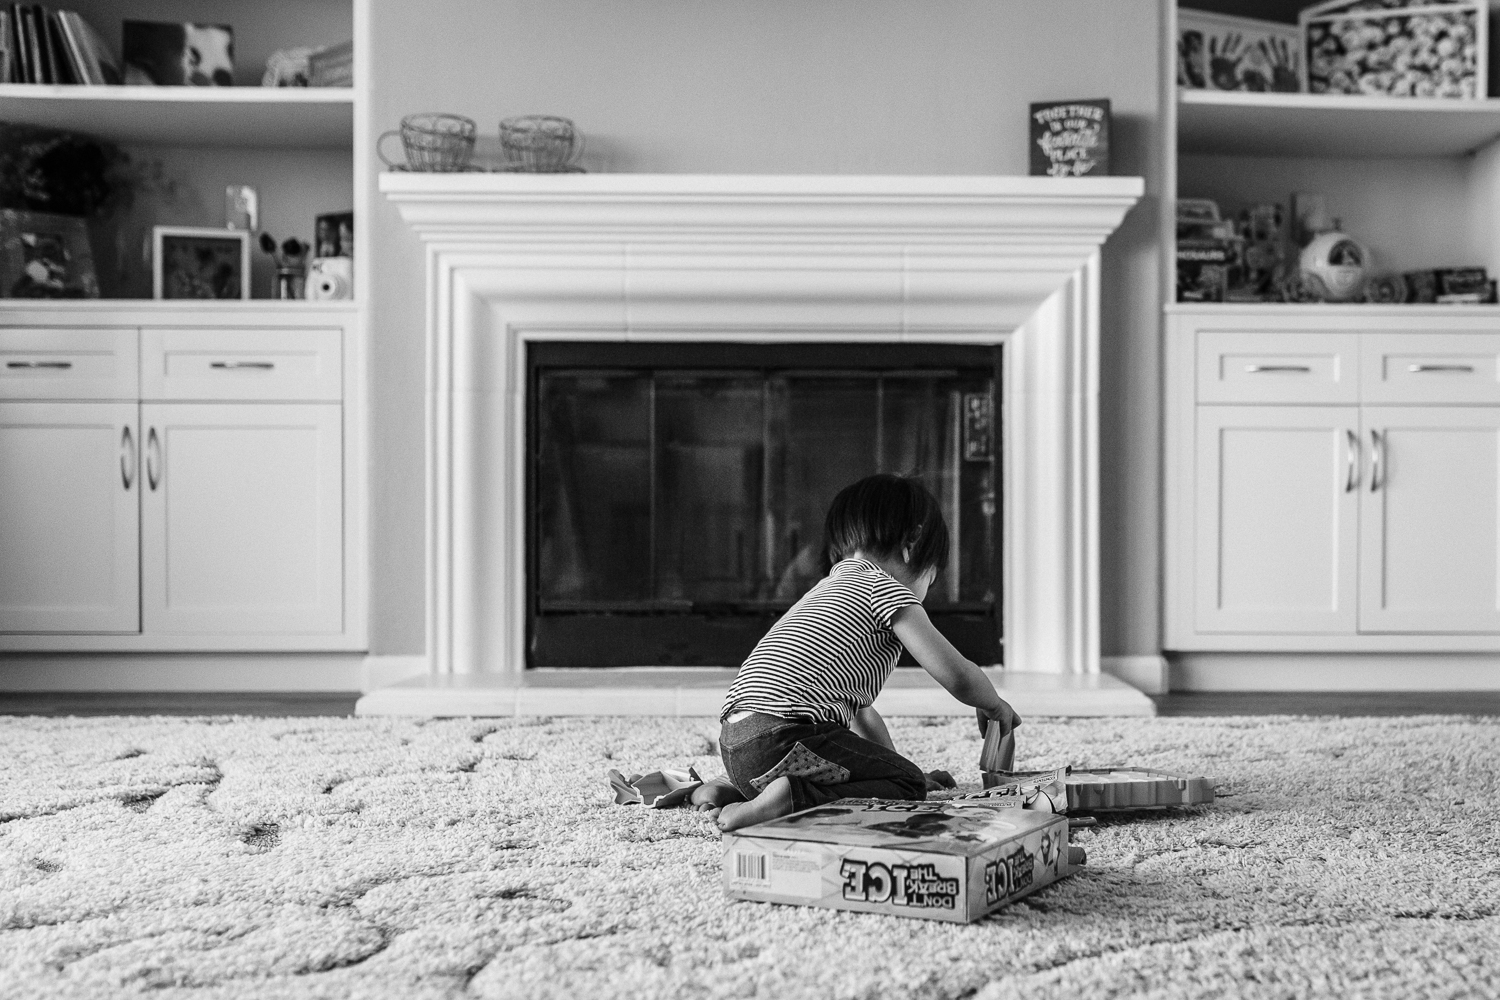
column 1237, row 53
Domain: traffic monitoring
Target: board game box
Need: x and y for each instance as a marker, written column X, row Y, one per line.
column 954, row 860
column 1096, row 789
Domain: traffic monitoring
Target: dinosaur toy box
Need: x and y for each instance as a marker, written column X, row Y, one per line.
column 952, row 860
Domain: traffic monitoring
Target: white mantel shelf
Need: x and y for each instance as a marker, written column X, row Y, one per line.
column 513, row 259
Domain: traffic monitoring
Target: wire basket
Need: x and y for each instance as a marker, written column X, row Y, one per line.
column 433, row 142
column 540, row 143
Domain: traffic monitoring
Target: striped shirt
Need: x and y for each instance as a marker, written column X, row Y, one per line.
column 830, row 654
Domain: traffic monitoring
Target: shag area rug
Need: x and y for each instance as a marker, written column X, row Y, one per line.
column 233, row 857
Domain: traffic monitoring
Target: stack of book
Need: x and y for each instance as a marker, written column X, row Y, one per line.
column 38, row 45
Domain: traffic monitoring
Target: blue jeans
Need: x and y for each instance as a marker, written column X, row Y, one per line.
column 822, row 760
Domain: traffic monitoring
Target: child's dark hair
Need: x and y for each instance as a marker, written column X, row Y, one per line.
column 885, row 516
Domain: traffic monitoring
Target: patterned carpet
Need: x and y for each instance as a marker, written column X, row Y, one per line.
column 222, row 857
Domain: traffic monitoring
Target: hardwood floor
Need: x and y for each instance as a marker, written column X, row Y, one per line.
column 342, row 703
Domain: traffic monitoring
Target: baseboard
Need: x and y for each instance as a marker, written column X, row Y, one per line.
column 668, row 692
column 1334, row 672
column 1147, row 674
column 183, row 672
column 383, row 671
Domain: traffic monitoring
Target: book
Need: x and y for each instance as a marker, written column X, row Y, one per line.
column 101, row 60
column 43, row 44
column 20, row 57
column 5, row 47
column 63, row 68
column 34, row 72
column 77, row 56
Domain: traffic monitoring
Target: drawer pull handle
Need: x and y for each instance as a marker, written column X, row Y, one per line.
column 1256, row 369
column 1440, row 368
column 261, row 365
column 153, row 460
column 1377, row 458
column 1351, row 479
column 61, row 365
column 127, row 458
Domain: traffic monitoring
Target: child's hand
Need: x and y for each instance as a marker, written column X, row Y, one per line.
column 1002, row 713
column 939, row 780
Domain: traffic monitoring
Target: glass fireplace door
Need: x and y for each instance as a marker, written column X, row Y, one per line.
column 677, row 506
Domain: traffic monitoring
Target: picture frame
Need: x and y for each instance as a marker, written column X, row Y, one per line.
column 45, row 256
column 1228, row 52
column 177, row 54
column 192, row 262
column 334, row 235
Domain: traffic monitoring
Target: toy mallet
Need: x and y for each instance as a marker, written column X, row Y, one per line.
column 999, row 753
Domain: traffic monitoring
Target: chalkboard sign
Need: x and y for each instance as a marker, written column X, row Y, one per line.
column 1070, row 139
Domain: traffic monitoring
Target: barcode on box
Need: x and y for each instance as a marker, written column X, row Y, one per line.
column 750, row 868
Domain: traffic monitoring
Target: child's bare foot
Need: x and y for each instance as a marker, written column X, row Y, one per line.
column 715, row 793
column 775, row 801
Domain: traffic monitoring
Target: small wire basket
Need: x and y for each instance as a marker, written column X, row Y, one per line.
column 433, row 142
column 540, row 144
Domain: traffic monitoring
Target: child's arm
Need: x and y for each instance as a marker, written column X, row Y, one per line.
column 868, row 723
column 950, row 668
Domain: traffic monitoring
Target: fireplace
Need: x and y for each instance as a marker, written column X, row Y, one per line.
column 656, row 266
column 676, row 493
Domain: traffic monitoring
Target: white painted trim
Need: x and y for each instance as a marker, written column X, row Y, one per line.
column 187, row 672
column 1334, row 672
column 980, row 260
column 650, row 691
column 381, row 671
column 1148, row 674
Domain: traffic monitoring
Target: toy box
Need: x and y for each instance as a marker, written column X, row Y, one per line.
column 1224, row 52
column 953, row 860
column 1397, row 48
column 1090, row 790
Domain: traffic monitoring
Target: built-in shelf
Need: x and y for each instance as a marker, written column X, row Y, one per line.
column 94, row 308
column 1332, row 125
column 316, row 118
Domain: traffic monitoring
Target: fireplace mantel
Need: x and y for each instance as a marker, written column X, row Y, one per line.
column 630, row 257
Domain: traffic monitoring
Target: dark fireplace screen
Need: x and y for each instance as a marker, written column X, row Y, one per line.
column 677, row 491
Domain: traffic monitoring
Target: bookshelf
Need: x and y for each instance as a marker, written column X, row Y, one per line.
column 259, row 117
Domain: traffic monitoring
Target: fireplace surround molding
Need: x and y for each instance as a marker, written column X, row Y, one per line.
column 633, row 257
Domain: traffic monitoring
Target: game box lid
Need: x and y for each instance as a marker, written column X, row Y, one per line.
column 958, row 827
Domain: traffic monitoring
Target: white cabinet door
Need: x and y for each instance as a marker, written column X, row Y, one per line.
column 69, row 517
column 1429, row 548
column 242, row 518
column 1277, row 507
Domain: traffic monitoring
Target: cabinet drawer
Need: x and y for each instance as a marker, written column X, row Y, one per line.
column 1292, row 367
column 241, row 365
column 1430, row 368
column 68, row 364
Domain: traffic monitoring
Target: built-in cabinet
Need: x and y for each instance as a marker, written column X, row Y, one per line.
column 180, row 485
column 1333, row 480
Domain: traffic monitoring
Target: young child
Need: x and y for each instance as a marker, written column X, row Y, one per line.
column 798, row 729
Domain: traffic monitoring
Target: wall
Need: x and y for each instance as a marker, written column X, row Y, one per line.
column 783, row 87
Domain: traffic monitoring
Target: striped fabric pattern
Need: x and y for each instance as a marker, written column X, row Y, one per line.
column 830, row 654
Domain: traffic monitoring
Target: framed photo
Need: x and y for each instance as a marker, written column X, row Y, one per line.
column 173, row 54
column 193, row 263
column 45, row 256
column 335, row 235
column 1225, row 52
